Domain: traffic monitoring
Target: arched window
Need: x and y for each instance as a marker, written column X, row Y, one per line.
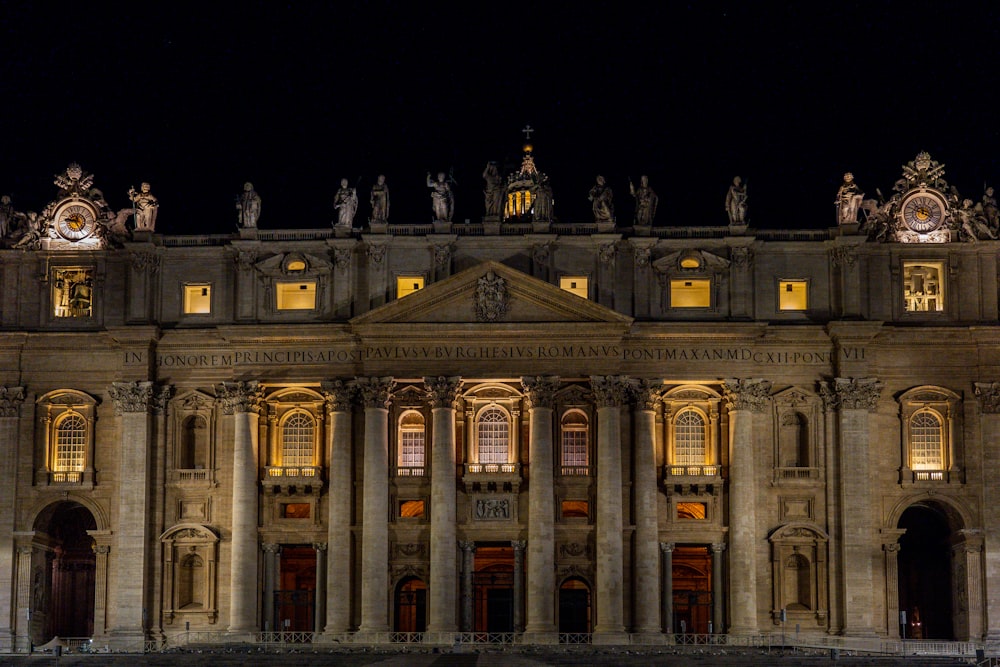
column 493, row 435
column 925, row 441
column 689, row 438
column 70, row 453
column 411, row 440
column 574, row 450
column 297, row 440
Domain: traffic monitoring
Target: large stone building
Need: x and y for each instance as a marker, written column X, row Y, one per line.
column 604, row 430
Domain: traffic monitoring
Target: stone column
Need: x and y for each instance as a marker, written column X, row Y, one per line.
column 270, row 571
column 667, row 566
column 22, row 604
column 718, row 595
column 989, row 408
column 442, row 392
column 319, row 620
column 131, row 593
column 856, row 398
column 376, row 394
column 746, row 397
column 610, row 393
column 243, row 401
column 890, row 546
column 967, row 584
column 11, row 399
column 645, row 577
column 518, row 546
column 833, row 508
column 339, row 587
column 102, row 552
column 541, row 622
column 468, row 563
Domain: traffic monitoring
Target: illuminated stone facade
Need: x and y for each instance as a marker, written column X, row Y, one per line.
column 709, row 428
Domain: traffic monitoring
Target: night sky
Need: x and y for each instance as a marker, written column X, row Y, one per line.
column 198, row 98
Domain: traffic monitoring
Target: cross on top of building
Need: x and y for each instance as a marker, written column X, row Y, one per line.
column 527, row 132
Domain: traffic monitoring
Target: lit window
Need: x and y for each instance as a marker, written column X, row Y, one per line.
column 689, row 438
column 408, row 285
column 297, row 440
column 72, row 292
column 793, row 294
column 411, row 509
column 575, row 509
column 923, row 287
column 691, row 511
column 71, row 448
column 925, row 441
column 411, row 441
column 574, row 443
column 295, row 265
column 297, row 296
column 693, row 293
column 575, row 284
column 197, row 299
column 296, row 510
column 493, row 430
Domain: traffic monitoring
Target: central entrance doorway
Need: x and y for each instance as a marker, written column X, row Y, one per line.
column 295, row 599
column 62, row 579
column 692, row 586
column 574, row 607
column 493, row 589
column 411, row 606
column 925, row 588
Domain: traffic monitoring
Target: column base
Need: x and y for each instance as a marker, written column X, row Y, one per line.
column 370, row 637
column 332, row 637
column 609, row 638
column 539, row 637
column 127, row 640
column 439, row 638
column 744, row 631
column 649, row 638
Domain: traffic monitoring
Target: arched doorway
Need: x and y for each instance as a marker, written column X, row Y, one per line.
column 63, row 573
column 411, row 605
column 925, row 582
column 574, row 607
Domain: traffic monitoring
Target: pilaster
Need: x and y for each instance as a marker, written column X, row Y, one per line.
column 339, row 396
column 988, row 394
column 11, row 399
column 646, row 552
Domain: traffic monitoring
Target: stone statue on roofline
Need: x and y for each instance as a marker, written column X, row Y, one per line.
column 645, row 201
column 248, row 206
column 848, row 201
column 442, row 197
column 146, row 206
column 736, row 202
column 379, row 200
column 346, row 204
column 492, row 193
column 602, row 201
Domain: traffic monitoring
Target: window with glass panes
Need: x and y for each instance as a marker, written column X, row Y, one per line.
column 689, row 438
column 297, row 440
column 925, row 442
column 494, row 436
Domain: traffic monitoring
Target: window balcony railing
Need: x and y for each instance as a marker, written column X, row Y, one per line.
column 492, row 468
column 693, row 471
column 191, row 475
column 290, row 473
column 574, row 471
column 943, row 476
column 410, row 471
column 74, row 477
column 796, row 473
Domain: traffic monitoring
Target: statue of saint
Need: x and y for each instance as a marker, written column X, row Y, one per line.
column 736, row 202
column 493, row 194
column 542, row 206
column 990, row 210
column 602, row 201
column 645, row 201
column 346, row 204
column 248, row 205
column 848, row 201
column 973, row 222
column 7, row 217
column 380, row 201
column 442, row 198
column 145, row 205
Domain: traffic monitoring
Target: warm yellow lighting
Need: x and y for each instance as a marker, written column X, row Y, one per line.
column 297, row 296
column 411, row 509
column 296, row 265
column 575, row 284
column 690, row 263
column 408, row 285
column 197, row 299
column 696, row 511
column 691, row 293
column 923, row 286
column 793, row 295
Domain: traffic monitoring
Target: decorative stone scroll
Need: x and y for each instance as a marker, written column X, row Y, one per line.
column 641, row 255
column 858, row 393
column 988, row 394
column 131, row 396
column 161, row 396
column 742, row 258
column 376, row 252
column 610, row 390
column 240, row 396
column 11, row 399
column 492, row 298
column 540, row 253
column 541, row 389
column 376, row 392
column 442, row 255
column 338, row 395
column 606, row 253
column 341, row 258
column 747, row 394
column 245, row 259
column 442, row 392
column 145, row 261
column 648, row 393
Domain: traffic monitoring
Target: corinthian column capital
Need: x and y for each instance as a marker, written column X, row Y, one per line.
column 988, row 394
column 131, row 396
column 338, row 395
column 541, row 389
column 240, row 397
column 442, row 392
column 376, row 392
column 858, row 393
column 747, row 394
column 11, row 399
column 610, row 390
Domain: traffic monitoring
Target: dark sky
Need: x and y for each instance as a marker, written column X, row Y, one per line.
column 198, row 98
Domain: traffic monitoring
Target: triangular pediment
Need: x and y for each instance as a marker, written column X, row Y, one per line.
column 491, row 293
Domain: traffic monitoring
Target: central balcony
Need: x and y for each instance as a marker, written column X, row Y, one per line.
column 480, row 477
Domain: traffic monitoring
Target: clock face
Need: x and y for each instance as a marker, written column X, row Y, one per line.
column 75, row 221
column 923, row 212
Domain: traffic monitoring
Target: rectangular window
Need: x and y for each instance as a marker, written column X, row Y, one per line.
column 691, row 511
column 72, row 292
column 197, row 299
column 693, row 293
column 923, row 287
column 575, row 284
column 575, row 509
column 411, row 509
column 297, row 296
column 406, row 285
column 793, row 295
column 295, row 510
column 412, row 450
